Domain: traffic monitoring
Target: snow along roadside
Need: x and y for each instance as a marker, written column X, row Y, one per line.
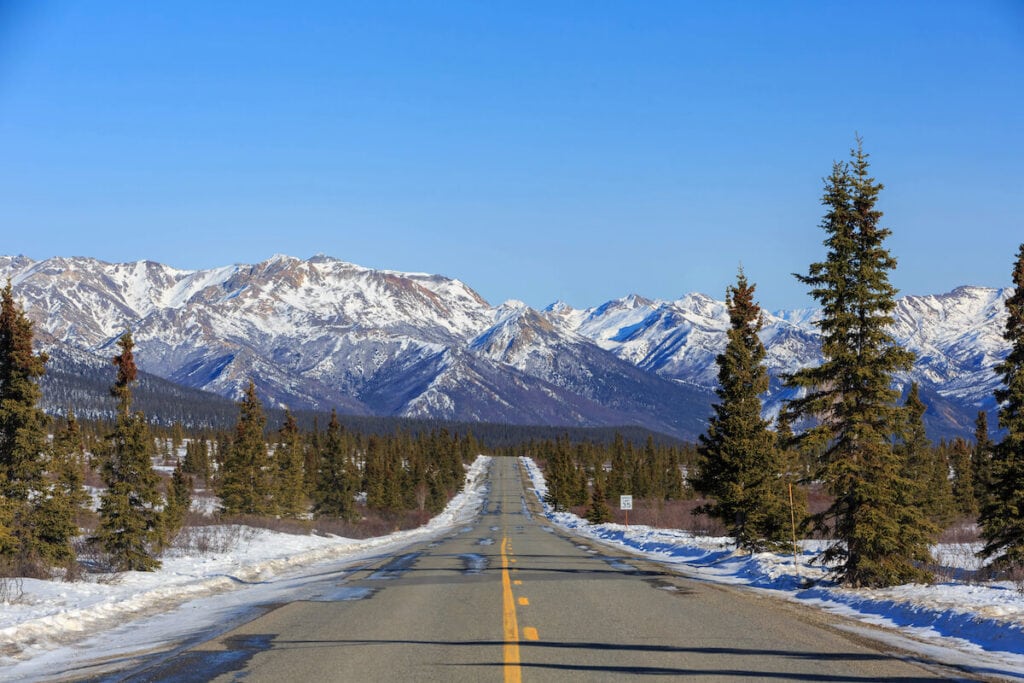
column 48, row 615
column 977, row 627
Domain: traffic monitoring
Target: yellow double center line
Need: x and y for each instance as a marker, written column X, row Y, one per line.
column 513, row 673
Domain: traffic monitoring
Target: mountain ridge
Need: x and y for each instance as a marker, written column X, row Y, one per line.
column 323, row 333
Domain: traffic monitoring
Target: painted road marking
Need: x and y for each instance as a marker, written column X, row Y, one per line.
column 517, row 582
column 530, row 633
column 513, row 673
column 524, row 601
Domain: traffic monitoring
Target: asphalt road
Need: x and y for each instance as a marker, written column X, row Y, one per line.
column 511, row 599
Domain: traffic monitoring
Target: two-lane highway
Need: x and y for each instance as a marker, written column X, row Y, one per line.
column 510, row 599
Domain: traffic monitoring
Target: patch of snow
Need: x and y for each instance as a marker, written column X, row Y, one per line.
column 43, row 623
column 978, row 627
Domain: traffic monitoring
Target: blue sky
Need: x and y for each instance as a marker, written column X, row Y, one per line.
column 536, row 150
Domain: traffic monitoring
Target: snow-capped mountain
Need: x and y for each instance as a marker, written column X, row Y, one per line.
column 957, row 338
column 322, row 333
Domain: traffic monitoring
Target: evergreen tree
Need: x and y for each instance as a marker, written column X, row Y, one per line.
column 963, row 478
column 313, row 455
column 599, row 512
column 620, row 477
column 981, row 460
column 23, row 439
column 177, row 436
column 560, row 475
column 197, row 458
column 418, row 491
column 880, row 538
column 67, row 463
column 130, row 519
column 383, row 475
column 653, row 483
column 8, row 541
column 674, row 484
column 336, row 480
column 1002, row 517
column 925, row 468
column 65, row 497
column 290, row 458
column 246, row 486
column 451, row 459
column 740, row 466
column 179, row 500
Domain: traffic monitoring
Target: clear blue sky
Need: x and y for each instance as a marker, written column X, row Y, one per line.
column 536, row 150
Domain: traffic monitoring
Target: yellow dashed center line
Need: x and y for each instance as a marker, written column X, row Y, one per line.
column 524, row 601
column 530, row 633
column 513, row 673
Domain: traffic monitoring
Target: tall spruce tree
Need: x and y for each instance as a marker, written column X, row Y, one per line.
column 1002, row 517
column 23, row 439
column 880, row 538
column 740, row 465
column 246, row 483
column 131, row 524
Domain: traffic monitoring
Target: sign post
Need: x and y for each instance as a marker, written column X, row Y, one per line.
column 626, row 504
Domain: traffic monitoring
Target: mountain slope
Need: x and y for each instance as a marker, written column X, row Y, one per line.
column 957, row 338
column 321, row 333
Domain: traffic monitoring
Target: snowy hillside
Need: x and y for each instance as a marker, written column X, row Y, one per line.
column 957, row 338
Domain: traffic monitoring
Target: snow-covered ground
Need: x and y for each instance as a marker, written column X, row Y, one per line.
column 52, row 629
column 978, row 627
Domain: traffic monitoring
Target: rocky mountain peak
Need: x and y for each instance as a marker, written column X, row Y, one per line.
column 322, row 332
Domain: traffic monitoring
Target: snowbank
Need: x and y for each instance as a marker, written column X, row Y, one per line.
column 979, row 627
column 41, row 617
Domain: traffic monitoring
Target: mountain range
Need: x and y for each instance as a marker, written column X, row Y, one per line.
column 321, row 333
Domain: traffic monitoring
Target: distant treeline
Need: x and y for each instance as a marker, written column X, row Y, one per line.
column 85, row 387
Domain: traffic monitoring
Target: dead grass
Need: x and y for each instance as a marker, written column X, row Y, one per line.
column 671, row 514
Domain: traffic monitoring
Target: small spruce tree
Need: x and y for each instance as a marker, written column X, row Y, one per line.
column 336, row 481
column 65, row 498
column 290, row 458
column 925, row 467
column 963, row 478
column 179, row 500
column 599, row 512
column 246, row 486
column 131, row 524
column 740, row 465
column 981, row 460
